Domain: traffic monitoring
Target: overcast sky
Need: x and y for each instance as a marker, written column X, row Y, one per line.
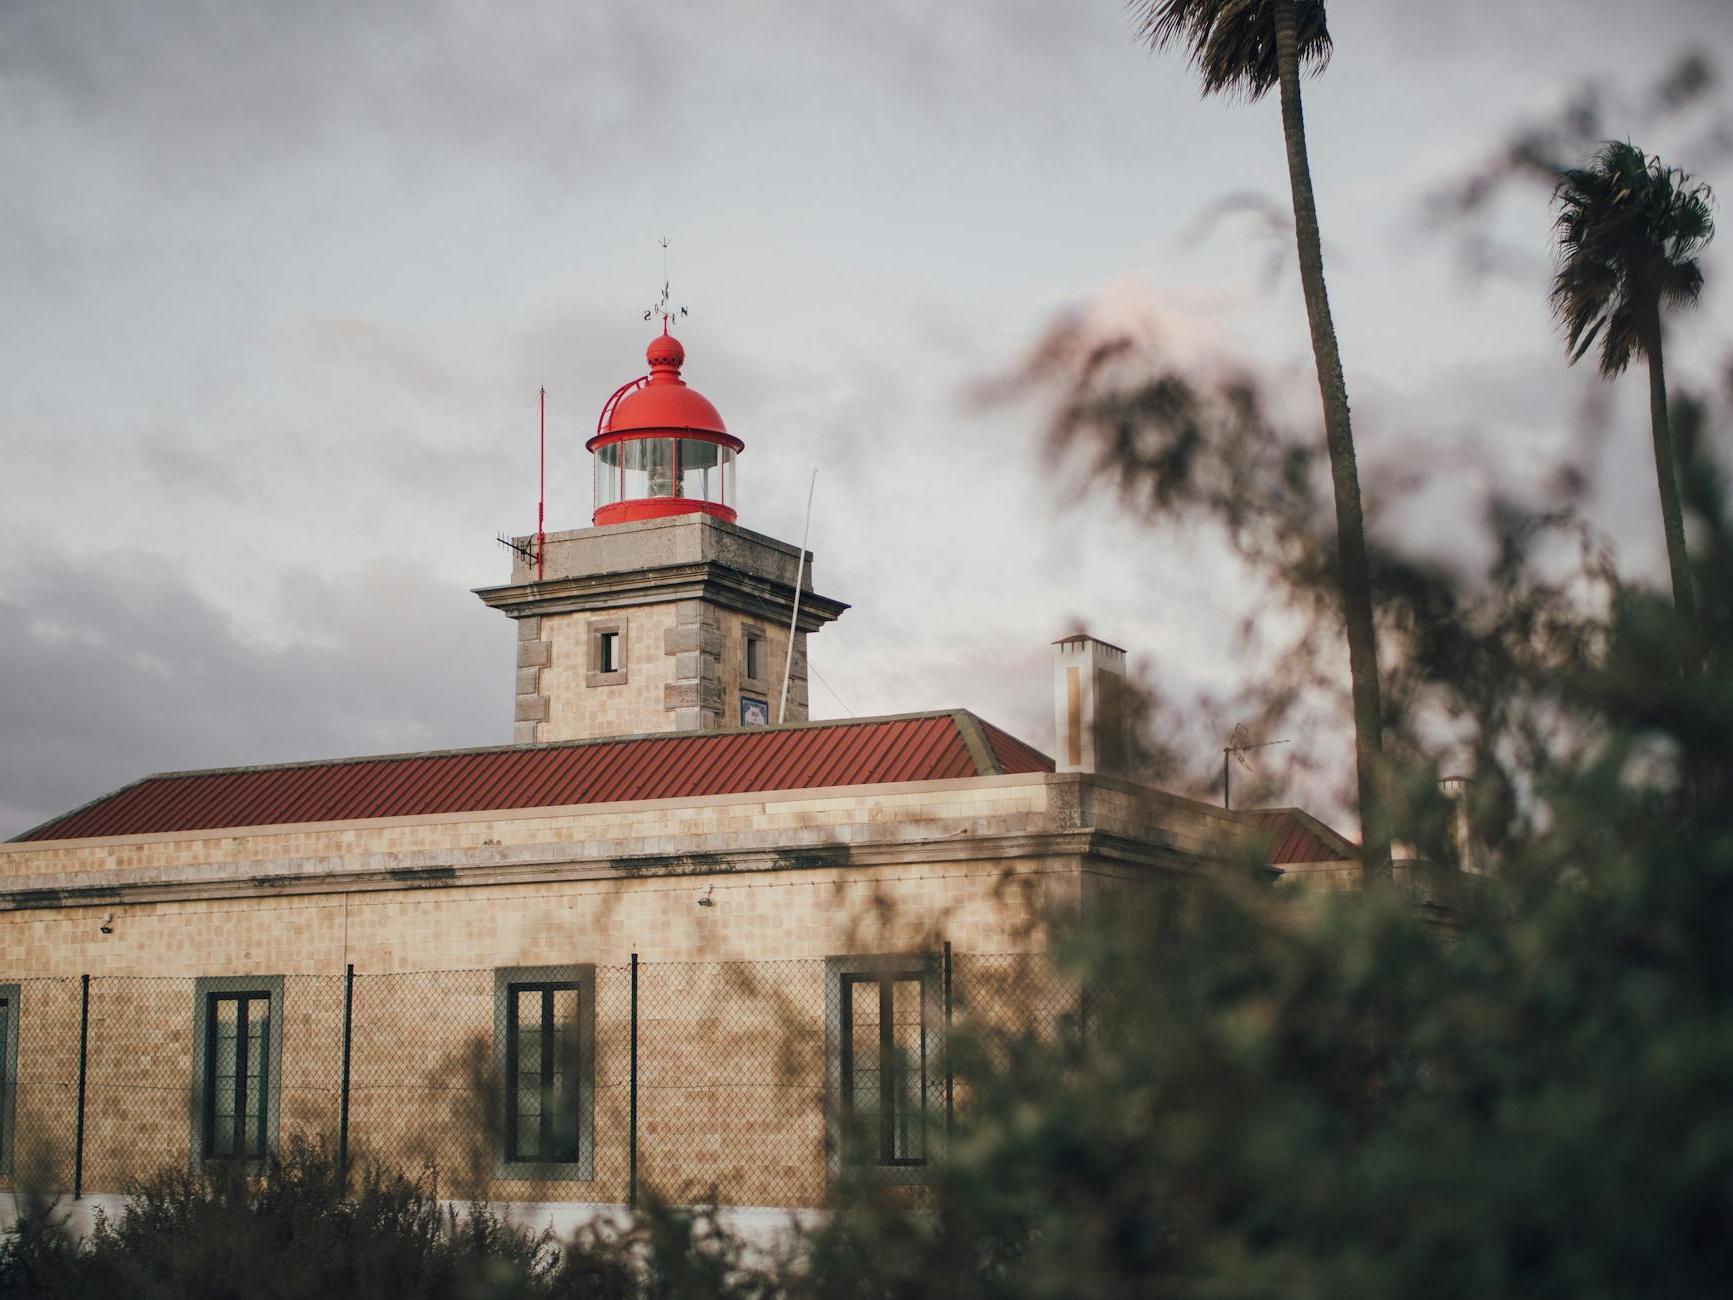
column 279, row 282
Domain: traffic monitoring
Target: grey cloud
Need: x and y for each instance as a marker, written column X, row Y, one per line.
column 220, row 92
column 226, row 93
column 393, row 356
column 114, row 668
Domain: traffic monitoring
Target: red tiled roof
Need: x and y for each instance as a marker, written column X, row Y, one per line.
column 865, row 751
column 1297, row 836
column 1012, row 755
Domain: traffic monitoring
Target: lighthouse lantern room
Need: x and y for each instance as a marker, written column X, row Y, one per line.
column 660, row 447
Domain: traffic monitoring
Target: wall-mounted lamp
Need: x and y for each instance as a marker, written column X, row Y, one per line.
column 108, row 922
column 705, row 899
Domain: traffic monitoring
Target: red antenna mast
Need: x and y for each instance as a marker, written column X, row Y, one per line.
column 542, row 497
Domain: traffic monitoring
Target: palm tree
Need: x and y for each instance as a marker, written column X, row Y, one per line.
column 1246, row 47
column 1629, row 230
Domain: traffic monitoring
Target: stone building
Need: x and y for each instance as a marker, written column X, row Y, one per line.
column 676, row 934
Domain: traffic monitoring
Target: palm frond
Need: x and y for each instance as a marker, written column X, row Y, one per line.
column 1623, row 338
column 1681, row 284
column 1232, row 43
column 1626, row 232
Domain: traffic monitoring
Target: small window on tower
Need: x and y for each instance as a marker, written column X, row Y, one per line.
column 607, row 657
column 754, row 658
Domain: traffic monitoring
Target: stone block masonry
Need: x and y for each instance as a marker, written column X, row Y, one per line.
column 684, row 597
column 533, row 657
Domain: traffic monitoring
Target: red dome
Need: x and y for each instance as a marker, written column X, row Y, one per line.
column 665, row 402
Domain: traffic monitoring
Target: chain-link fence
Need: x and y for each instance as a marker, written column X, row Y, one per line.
column 730, row 1083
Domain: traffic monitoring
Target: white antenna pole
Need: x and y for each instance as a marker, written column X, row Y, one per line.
column 794, row 622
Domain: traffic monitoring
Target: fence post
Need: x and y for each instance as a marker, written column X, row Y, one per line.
column 950, row 1080
column 343, row 1094
column 632, row 1135
column 83, row 1064
column 1082, row 1019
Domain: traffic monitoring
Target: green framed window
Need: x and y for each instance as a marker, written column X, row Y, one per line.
column 544, row 1049
column 8, row 1072
column 887, row 1081
column 884, row 1029
column 237, row 1066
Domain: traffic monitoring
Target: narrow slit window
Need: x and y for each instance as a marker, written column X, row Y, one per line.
column 887, row 1089
column 238, row 1075
column 543, row 1070
column 608, row 652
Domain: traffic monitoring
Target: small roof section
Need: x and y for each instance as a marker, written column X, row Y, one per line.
column 1296, row 836
column 858, row 751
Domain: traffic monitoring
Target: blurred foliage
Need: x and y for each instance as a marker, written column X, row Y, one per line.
column 294, row 1230
column 1511, row 1084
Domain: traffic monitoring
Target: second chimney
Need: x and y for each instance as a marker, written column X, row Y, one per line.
column 1089, row 713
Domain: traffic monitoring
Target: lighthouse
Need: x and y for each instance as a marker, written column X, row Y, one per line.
column 660, row 448
column 666, row 614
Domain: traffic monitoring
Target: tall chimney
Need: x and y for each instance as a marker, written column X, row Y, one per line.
column 1458, row 790
column 1089, row 699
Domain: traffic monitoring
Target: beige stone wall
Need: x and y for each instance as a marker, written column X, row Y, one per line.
column 732, row 1033
column 1154, row 817
column 44, row 1104
column 642, row 704
column 769, row 685
column 630, row 708
column 983, row 906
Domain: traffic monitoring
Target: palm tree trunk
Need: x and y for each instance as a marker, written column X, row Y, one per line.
column 1667, row 478
column 1353, row 570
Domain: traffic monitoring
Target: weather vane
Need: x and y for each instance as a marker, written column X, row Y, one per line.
column 663, row 306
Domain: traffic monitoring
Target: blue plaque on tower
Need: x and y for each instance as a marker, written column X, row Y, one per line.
column 754, row 713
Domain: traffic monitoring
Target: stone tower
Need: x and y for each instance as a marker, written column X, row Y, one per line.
column 667, row 615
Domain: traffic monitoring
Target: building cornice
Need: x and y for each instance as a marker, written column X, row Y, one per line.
column 426, row 869
column 708, row 580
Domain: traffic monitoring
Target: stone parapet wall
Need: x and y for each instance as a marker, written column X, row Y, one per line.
column 666, row 827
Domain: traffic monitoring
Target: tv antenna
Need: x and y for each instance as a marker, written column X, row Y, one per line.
column 516, row 547
column 1240, row 743
column 663, row 305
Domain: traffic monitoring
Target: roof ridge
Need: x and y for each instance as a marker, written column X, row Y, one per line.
column 972, row 730
column 73, row 812
column 1309, row 822
column 993, row 727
